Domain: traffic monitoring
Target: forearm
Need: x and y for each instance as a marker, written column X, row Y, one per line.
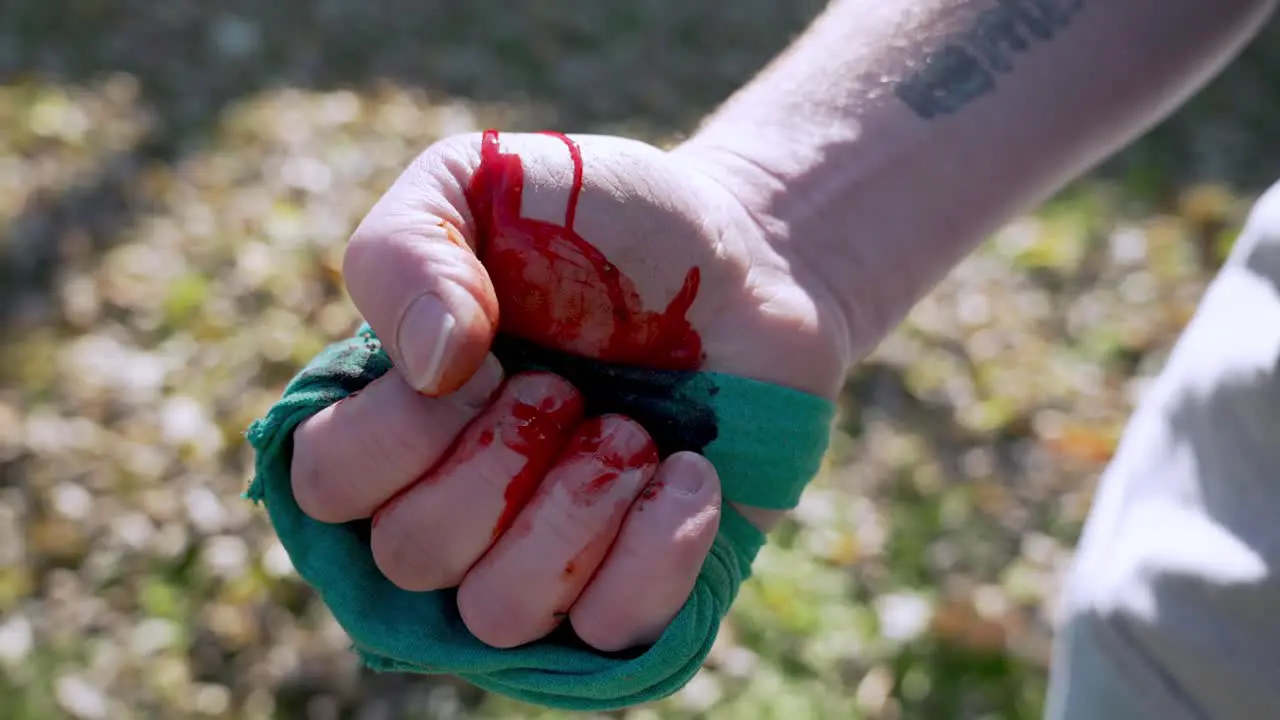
column 893, row 137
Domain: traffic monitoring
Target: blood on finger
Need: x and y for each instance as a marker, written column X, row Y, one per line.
column 588, row 559
column 536, row 429
column 649, row 494
column 531, row 438
column 592, row 443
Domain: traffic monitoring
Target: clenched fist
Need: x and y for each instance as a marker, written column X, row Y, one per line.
column 596, row 246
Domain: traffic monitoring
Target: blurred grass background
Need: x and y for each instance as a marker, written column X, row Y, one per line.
column 177, row 180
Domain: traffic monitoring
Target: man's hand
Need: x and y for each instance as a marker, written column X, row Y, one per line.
column 597, row 246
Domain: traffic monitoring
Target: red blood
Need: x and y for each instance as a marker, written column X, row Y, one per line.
column 613, row 456
column 649, row 493
column 556, row 289
column 537, row 432
column 598, row 485
column 590, row 445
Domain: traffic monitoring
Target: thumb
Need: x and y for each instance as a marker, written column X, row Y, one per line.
column 411, row 270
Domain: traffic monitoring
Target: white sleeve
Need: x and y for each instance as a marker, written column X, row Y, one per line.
column 1172, row 609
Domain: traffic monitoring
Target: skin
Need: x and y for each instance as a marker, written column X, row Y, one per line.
column 880, row 199
column 816, row 207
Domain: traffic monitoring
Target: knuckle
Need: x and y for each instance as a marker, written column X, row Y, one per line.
column 442, row 169
column 624, row 424
column 603, row 634
column 447, row 157
column 397, row 543
column 314, row 488
column 410, row 429
column 628, row 441
column 561, row 524
column 392, row 558
column 403, row 447
column 394, row 566
column 494, row 470
column 621, row 625
column 491, row 613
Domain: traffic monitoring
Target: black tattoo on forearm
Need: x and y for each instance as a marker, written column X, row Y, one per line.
column 966, row 68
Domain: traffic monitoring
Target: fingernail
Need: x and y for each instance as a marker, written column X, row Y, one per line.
column 686, row 474
column 480, row 388
column 422, row 341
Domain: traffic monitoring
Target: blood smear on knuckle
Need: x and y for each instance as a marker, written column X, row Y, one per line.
column 608, row 483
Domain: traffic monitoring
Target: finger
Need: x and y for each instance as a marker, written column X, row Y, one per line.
column 415, row 278
column 653, row 566
column 428, row 536
column 353, row 455
column 523, row 588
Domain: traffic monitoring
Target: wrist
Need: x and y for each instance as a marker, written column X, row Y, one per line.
column 832, row 211
column 878, row 200
column 753, row 190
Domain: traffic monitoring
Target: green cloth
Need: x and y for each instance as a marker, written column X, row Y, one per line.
column 765, row 441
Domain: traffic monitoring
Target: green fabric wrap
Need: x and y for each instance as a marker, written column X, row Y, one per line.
column 765, row 441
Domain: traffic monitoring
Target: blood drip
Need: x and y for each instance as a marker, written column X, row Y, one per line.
column 558, row 290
